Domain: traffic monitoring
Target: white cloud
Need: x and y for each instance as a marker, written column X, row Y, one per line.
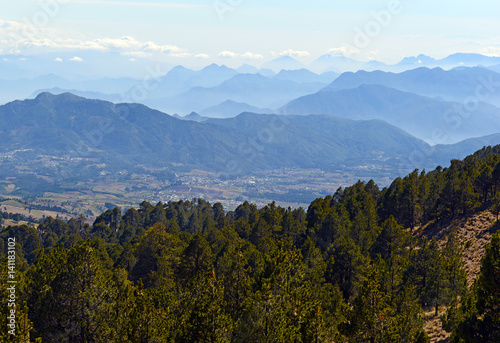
column 294, row 53
column 252, row 56
column 151, row 46
column 129, row 44
column 125, row 43
column 140, row 54
column 16, row 38
column 342, row 51
column 372, row 55
column 228, row 54
column 246, row 55
column 58, row 59
column 76, row 59
column 202, row 56
column 492, row 51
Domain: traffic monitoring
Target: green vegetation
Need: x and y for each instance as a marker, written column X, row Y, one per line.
column 90, row 152
column 477, row 319
column 346, row 270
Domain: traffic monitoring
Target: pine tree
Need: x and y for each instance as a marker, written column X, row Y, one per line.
column 496, row 203
column 151, row 315
column 284, row 308
column 410, row 196
column 454, row 269
column 235, row 268
column 18, row 328
column 335, row 224
column 488, row 295
column 158, row 256
column 345, row 266
column 434, row 292
column 390, row 250
column 203, row 317
column 75, row 299
column 370, row 319
column 477, row 318
column 196, row 258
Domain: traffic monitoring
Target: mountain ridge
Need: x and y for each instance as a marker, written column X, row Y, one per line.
column 419, row 115
column 127, row 134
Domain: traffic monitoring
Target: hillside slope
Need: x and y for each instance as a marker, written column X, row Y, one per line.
column 418, row 115
column 67, row 125
column 455, row 85
column 474, row 233
column 253, row 89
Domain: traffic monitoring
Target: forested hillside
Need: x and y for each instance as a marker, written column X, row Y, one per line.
column 67, row 127
column 352, row 268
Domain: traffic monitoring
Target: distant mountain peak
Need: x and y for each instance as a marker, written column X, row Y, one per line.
column 178, row 70
column 420, row 59
column 214, row 66
column 471, row 59
column 44, row 96
column 336, row 63
column 285, row 58
column 283, row 62
column 247, row 68
column 332, row 57
column 152, row 138
column 325, row 57
column 231, row 102
column 301, row 70
column 179, row 67
column 247, row 115
column 460, row 54
column 193, row 116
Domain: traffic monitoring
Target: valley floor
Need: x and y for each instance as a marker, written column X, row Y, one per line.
column 288, row 187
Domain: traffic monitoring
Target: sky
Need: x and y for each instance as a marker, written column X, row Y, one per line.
column 195, row 33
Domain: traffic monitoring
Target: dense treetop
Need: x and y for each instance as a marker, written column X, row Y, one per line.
column 346, row 270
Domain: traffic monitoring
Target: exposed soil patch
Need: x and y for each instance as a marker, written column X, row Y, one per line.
column 474, row 232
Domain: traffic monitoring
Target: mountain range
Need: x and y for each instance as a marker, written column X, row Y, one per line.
column 458, row 84
column 182, row 90
column 98, row 64
column 69, row 127
column 283, row 63
column 230, row 109
column 435, row 105
column 434, row 121
column 180, row 79
column 339, row 64
column 253, row 89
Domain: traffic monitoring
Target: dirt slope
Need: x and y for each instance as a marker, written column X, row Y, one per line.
column 474, row 232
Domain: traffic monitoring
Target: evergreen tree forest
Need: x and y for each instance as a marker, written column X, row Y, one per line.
column 347, row 269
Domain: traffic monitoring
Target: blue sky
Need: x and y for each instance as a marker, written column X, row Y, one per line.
column 250, row 31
